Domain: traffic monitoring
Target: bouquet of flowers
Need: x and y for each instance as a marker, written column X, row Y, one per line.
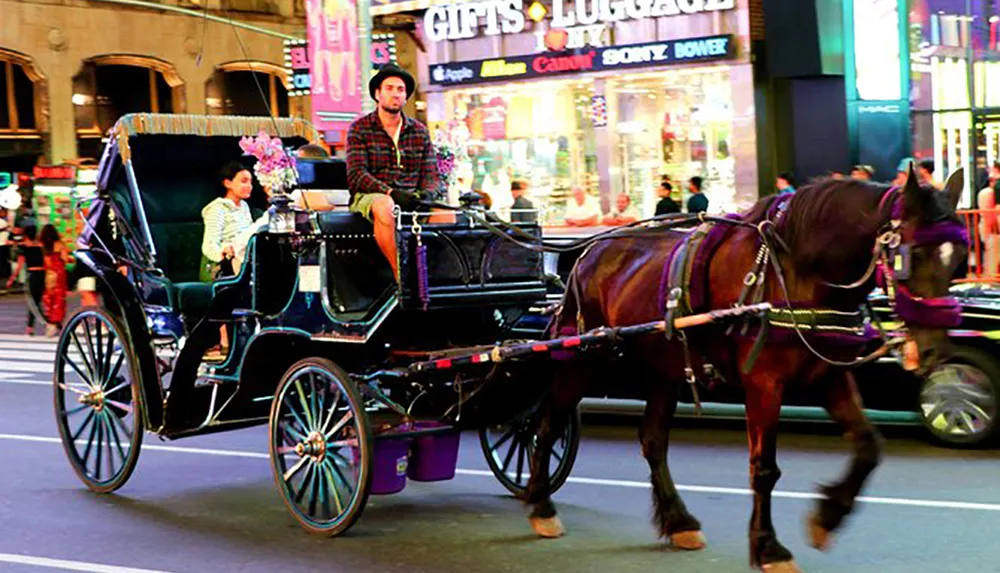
column 450, row 145
column 275, row 167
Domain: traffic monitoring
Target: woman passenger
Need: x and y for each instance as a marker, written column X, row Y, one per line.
column 228, row 224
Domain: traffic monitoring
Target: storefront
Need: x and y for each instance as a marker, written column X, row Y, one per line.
column 937, row 78
column 607, row 96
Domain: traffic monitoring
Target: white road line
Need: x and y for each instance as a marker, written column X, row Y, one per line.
column 49, row 347
column 29, row 356
column 928, row 503
column 24, row 382
column 14, row 366
column 69, row 565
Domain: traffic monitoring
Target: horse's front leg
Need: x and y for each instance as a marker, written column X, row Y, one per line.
column 843, row 402
column 567, row 389
column 763, row 401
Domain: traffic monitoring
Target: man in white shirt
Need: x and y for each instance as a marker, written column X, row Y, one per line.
column 582, row 210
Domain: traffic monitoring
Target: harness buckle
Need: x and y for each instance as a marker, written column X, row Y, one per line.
column 750, row 279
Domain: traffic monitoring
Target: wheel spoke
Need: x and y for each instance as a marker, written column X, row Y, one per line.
column 306, row 483
column 80, row 408
column 348, row 443
column 99, row 347
column 90, row 346
column 349, row 485
column 117, row 388
column 86, row 377
column 125, row 429
column 503, row 439
column 108, row 354
column 83, row 356
column 123, row 407
column 520, row 463
column 305, row 407
column 286, row 428
column 339, row 425
column 112, row 372
column 315, row 409
column 295, row 469
column 324, row 484
column 329, row 416
column 108, row 431
column 514, row 447
column 79, row 431
column 118, row 442
column 100, row 444
column 329, row 471
column 314, row 492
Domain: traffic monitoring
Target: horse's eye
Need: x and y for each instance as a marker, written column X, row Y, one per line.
column 946, row 251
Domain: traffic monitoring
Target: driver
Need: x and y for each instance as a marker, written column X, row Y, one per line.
column 390, row 158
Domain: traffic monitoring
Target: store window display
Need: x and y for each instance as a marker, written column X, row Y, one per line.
column 672, row 125
column 539, row 133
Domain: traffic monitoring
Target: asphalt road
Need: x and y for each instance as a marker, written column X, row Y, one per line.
column 209, row 504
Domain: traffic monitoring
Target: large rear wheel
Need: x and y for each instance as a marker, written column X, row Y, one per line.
column 509, row 447
column 98, row 400
column 321, row 446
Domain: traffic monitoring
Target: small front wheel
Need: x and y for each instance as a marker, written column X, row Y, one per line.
column 509, row 447
column 321, row 446
column 98, row 400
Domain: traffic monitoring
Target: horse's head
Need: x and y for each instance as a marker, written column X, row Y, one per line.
column 925, row 242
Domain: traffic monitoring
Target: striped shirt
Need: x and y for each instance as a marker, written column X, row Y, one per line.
column 227, row 224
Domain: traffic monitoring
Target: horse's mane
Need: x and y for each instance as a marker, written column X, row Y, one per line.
column 827, row 221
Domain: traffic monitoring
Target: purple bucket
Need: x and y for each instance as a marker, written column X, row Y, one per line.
column 389, row 466
column 434, row 456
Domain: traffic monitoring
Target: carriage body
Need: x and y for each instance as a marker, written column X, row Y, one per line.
column 313, row 316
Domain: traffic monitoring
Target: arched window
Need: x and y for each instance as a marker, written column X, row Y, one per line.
column 22, row 111
column 108, row 87
column 249, row 88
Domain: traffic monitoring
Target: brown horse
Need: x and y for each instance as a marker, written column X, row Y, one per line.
column 822, row 245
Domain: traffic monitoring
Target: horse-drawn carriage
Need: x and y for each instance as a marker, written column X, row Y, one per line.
column 364, row 379
column 317, row 325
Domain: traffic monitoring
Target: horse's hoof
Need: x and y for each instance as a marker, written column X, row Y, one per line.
column 548, row 527
column 781, row 567
column 688, row 540
column 819, row 538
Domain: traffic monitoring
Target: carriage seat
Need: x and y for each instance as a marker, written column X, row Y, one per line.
column 344, row 223
column 192, row 299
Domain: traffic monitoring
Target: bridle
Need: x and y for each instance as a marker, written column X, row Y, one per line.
column 892, row 265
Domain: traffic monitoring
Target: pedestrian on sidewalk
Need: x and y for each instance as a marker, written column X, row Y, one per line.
column 57, row 256
column 31, row 257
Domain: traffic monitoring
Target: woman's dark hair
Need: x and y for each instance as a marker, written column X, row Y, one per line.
column 666, row 186
column 787, row 176
column 697, row 182
column 312, row 151
column 30, row 231
column 229, row 172
column 49, row 238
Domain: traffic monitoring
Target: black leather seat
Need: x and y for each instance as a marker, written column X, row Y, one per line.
column 344, row 223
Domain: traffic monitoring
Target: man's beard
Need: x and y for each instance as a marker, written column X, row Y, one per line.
column 389, row 109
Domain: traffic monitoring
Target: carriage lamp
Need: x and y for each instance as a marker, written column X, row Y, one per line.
column 282, row 219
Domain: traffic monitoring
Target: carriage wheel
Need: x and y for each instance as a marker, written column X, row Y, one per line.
column 509, row 447
column 321, row 446
column 98, row 400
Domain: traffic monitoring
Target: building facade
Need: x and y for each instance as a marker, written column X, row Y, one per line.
column 924, row 82
column 610, row 97
column 69, row 69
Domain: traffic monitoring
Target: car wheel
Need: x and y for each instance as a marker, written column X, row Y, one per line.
column 958, row 401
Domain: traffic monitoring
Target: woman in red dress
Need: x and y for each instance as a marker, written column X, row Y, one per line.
column 56, row 258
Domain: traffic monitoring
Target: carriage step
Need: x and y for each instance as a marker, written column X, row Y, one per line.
column 205, row 380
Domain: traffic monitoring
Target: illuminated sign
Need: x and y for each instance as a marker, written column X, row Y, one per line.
column 383, row 50
column 591, row 60
column 5, row 180
column 494, row 17
column 55, row 172
column 298, row 67
column 876, row 50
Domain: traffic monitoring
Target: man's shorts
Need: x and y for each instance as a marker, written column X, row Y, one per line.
column 362, row 203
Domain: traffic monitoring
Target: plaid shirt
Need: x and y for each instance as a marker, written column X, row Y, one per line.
column 373, row 165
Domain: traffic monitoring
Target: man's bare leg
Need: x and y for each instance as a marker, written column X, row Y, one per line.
column 385, row 230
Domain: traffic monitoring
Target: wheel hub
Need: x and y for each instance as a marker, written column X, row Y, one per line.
column 314, row 446
column 95, row 399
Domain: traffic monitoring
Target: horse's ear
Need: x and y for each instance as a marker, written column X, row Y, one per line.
column 954, row 187
column 912, row 191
